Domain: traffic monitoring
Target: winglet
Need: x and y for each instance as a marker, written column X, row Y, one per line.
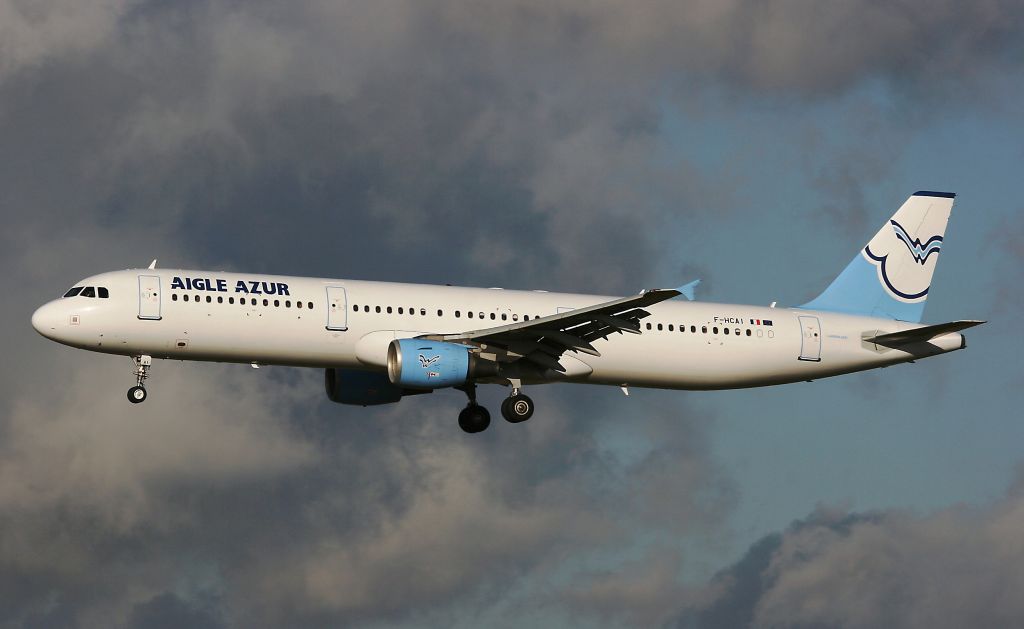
column 152, row 265
column 687, row 290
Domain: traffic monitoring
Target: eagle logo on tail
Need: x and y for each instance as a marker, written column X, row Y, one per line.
column 920, row 250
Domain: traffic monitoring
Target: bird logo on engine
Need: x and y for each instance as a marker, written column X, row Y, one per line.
column 426, row 362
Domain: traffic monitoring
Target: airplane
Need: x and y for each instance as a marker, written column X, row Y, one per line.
column 379, row 342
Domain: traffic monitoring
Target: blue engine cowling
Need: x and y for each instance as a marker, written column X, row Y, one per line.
column 361, row 388
column 421, row 364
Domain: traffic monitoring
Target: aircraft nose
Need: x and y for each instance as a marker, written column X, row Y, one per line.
column 45, row 320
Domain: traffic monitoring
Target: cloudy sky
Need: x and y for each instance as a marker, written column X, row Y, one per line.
column 588, row 146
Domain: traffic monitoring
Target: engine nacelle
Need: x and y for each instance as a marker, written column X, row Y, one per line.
column 424, row 364
column 360, row 388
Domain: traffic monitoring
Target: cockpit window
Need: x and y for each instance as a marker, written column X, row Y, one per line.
column 74, row 291
column 88, row 291
column 103, row 292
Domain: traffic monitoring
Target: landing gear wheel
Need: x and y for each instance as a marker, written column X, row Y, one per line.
column 517, row 408
column 137, row 394
column 474, row 418
column 142, row 364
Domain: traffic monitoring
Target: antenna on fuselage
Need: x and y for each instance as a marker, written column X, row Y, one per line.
column 152, row 265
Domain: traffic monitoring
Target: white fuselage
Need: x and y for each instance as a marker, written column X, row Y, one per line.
column 349, row 324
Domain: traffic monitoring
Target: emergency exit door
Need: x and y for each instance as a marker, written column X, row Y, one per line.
column 337, row 308
column 810, row 343
column 149, row 297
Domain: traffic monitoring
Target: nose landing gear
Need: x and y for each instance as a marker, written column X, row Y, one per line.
column 137, row 393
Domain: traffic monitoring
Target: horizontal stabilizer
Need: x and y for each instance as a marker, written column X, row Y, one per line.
column 920, row 335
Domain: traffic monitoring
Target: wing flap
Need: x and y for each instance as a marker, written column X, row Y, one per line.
column 544, row 339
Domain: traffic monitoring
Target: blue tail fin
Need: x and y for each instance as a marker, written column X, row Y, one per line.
column 891, row 275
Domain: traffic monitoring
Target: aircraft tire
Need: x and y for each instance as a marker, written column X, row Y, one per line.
column 517, row 408
column 474, row 418
column 137, row 395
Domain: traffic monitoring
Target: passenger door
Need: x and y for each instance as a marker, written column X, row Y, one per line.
column 149, row 297
column 810, row 342
column 337, row 308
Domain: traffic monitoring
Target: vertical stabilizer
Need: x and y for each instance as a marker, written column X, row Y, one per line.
column 891, row 275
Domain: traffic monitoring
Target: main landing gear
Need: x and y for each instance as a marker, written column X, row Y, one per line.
column 137, row 393
column 515, row 408
column 473, row 418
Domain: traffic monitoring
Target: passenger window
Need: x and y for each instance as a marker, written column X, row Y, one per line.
column 715, row 329
column 220, row 299
column 184, row 297
column 401, row 310
column 704, row 329
column 277, row 303
column 88, row 291
column 771, row 334
column 470, row 314
column 693, row 329
column 504, row 317
column 526, row 317
column 671, row 328
column 287, row 303
column 231, row 300
column 309, row 305
column 377, row 309
column 659, row 327
column 174, row 297
column 458, row 314
column 209, row 299
column 726, row 330
column 748, row 331
column 355, row 308
column 74, row 291
column 389, row 309
column 440, row 313
column 737, row 331
column 515, row 317
column 254, row 301
column 492, row 316
column 481, row 315
column 103, row 292
column 365, row 308
column 649, row 326
column 423, row 312
column 266, row 302
column 298, row 304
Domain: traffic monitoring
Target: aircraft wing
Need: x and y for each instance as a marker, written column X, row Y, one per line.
column 542, row 341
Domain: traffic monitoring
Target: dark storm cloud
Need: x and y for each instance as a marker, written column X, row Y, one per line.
column 274, row 516
column 512, row 143
column 958, row 567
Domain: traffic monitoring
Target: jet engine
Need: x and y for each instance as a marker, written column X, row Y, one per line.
column 422, row 364
column 361, row 388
